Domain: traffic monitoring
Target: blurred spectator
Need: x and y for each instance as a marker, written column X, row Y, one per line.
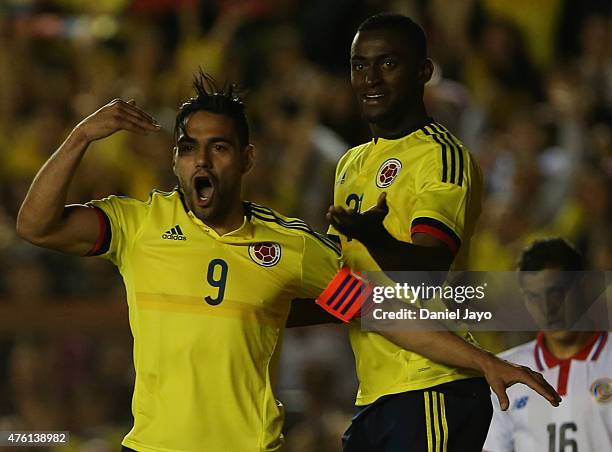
column 499, row 72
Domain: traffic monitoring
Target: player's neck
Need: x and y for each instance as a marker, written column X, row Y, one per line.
column 229, row 221
column 567, row 344
column 400, row 127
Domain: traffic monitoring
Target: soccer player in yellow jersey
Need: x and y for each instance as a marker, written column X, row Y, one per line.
column 418, row 191
column 209, row 278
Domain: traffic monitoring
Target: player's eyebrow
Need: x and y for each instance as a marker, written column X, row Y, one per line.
column 375, row 57
column 185, row 139
column 387, row 55
column 215, row 140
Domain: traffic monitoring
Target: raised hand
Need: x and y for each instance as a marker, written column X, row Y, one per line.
column 357, row 225
column 114, row 116
column 44, row 218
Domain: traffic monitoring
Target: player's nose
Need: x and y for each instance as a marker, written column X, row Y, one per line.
column 203, row 159
column 372, row 76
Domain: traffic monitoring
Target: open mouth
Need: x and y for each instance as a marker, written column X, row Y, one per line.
column 373, row 97
column 204, row 189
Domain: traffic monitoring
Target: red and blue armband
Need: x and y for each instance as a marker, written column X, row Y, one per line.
column 347, row 296
column 104, row 234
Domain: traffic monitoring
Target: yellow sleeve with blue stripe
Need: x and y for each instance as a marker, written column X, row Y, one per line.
column 439, row 207
column 321, row 261
column 442, row 190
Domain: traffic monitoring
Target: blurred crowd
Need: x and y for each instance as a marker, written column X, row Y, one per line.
column 526, row 85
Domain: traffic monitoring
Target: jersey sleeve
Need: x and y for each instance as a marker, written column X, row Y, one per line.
column 499, row 438
column 321, row 260
column 336, row 289
column 441, row 203
column 119, row 219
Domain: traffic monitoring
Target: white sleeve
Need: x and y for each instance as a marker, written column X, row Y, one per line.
column 500, row 437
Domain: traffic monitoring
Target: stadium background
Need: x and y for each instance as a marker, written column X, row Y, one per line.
column 527, row 86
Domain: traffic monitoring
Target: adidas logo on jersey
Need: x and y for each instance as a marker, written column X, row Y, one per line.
column 174, row 234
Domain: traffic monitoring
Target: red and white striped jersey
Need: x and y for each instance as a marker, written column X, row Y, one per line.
column 583, row 420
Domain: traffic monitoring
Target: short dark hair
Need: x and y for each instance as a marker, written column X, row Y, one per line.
column 225, row 101
column 398, row 22
column 552, row 252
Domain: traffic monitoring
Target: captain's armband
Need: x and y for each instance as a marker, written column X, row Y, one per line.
column 347, row 296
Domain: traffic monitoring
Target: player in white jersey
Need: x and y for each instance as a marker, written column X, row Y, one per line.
column 578, row 363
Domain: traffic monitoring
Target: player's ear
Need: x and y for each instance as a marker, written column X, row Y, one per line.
column 174, row 154
column 248, row 158
column 426, row 71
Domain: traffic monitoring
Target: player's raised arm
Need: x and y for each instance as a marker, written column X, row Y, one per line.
column 43, row 218
column 441, row 346
column 500, row 374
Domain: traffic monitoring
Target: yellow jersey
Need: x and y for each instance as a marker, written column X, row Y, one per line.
column 433, row 186
column 207, row 313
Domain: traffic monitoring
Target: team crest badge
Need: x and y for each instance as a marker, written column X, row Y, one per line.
column 388, row 172
column 266, row 254
column 601, row 390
